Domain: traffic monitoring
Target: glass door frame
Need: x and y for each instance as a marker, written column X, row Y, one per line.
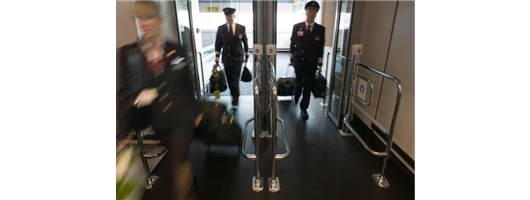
column 345, row 71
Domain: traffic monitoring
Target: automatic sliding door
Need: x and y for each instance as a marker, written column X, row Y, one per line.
column 340, row 73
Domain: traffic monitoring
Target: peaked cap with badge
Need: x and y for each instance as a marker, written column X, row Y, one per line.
column 229, row 11
column 312, row 4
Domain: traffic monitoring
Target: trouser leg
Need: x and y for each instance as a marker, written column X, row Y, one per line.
column 178, row 143
column 309, row 82
column 233, row 75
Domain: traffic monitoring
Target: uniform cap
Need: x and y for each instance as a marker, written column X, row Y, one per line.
column 312, row 4
column 229, row 11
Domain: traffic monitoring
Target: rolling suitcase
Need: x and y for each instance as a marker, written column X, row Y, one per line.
column 285, row 85
column 319, row 89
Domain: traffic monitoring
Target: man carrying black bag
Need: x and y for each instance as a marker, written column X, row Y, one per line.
column 307, row 49
column 229, row 38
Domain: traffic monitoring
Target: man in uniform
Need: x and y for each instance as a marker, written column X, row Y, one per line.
column 306, row 51
column 229, row 38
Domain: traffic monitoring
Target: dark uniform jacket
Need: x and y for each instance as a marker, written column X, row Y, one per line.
column 231, row 44
column 175, row 104
column 306, row 48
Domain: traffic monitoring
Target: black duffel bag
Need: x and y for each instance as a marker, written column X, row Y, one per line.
column 217, row 79
column 246, row 76
column 217, row 126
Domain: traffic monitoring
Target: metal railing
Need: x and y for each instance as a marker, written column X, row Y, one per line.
column 323, row 103
column 274, row 182
column 380, row 179
column 159, row 151
column 257, row 181
column 204, row 90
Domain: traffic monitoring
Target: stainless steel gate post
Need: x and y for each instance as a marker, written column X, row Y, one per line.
column 257, row 181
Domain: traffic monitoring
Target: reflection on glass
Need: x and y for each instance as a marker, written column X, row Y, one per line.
column 183, row 18
column 340, row 60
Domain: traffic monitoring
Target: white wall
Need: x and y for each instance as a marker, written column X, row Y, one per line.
column 401, row 64
column 389, row 47
column 329, row 14
column 169, row 27
column 125, row 26
column 125, row 33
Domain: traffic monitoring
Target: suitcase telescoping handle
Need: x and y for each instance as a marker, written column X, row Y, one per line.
column 319, row 74
column 287, row 70
column 325, row 70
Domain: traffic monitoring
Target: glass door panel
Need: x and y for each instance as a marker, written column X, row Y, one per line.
column 336, row 102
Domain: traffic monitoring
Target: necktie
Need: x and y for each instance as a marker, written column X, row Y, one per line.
column 308, row 29
column 156, row 64
column 230, row 29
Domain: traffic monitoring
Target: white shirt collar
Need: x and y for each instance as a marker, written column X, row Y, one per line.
column 312, row 24
column 233, row 25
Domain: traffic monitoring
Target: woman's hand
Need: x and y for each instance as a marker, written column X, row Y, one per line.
column 198, row 120
column 145, row 97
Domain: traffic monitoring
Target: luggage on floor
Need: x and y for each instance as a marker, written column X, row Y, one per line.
column 285, row 85
column 217, row 125
column 319, row 89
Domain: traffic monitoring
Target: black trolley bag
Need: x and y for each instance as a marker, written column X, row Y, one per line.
column 217, row 125
column 285, row 85
column 319, row 89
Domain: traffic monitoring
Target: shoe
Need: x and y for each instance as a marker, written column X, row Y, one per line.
column 235, row 104
column 304, row 114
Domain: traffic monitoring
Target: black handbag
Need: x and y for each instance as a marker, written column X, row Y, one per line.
column 213, row 112
column 217, row 80
column 246, row 76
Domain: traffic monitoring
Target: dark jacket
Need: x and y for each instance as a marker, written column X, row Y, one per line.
column 231, row 44
column 175, row 105
column 306, row 48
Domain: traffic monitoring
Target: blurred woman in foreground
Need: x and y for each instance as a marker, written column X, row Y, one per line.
column 155, row 79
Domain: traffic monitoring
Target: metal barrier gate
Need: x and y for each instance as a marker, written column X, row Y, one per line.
column 274, row 182
column 159, row 151
column 257, row 181
column 380, row 179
